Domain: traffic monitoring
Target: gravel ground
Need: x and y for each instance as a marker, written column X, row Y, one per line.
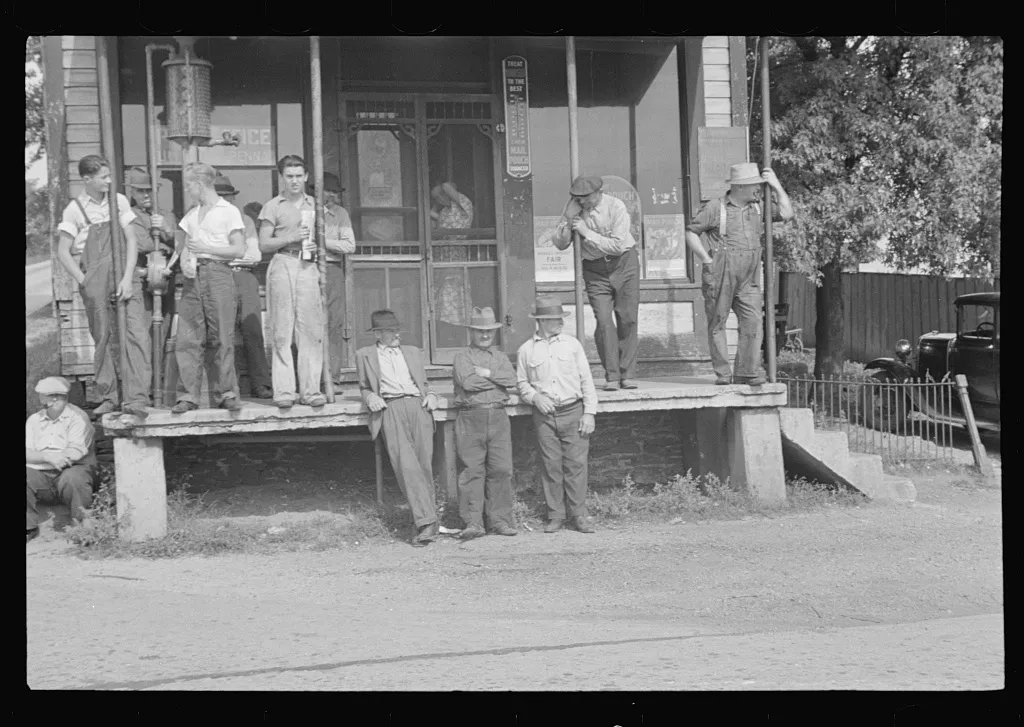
column 877, row 597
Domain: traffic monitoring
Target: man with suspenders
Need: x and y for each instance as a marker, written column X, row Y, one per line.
column 731, row 270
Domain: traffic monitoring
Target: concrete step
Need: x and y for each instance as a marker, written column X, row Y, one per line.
column 866, row 468
column 797, row 424
column 834, row 450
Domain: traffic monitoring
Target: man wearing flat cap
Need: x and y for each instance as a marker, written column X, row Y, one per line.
column 611, row 272
column 731, row 268
column 59, row 458
column 554, row 377
column 249, row 319
column 482, row 376
column 393, row 385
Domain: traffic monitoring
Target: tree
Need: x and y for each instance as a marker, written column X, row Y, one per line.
column 35, row 121
column 883, row 136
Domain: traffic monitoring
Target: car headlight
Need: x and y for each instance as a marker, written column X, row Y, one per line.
column 903, row 348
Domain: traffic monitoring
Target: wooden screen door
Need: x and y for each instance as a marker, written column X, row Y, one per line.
column 428, row 262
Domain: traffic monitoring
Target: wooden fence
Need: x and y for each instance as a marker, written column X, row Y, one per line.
column 881, row 308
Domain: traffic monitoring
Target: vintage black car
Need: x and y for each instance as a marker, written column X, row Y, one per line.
column 972, row 351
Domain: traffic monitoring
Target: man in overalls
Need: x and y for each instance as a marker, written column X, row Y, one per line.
column 731, row 270
column 84, row 249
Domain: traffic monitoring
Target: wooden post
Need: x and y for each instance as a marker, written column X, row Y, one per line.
column 141, row 488
column 980, row 457
column 574, row 170
column 769, row 268
column 317, row 110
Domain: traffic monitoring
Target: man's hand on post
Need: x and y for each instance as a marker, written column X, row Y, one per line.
column 543, row 404
column 578, row 225
column 769, row 176
column 156, row 221
column 586, row 425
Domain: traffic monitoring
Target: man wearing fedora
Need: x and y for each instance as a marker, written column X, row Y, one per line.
column 611, row 272
column 731, row 268
column 554, row 377
column 482, row 376
column 60, row 461
column 247, row 289
column 340, row 240
column 393, row 385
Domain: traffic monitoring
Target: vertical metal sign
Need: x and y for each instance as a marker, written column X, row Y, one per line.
column 517, row 116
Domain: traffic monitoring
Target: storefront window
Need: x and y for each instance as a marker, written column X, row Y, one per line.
column 629, row 127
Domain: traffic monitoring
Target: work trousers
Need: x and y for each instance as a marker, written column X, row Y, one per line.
column 483, row 443
column 563, row 455
column 96, row 290
column 71, row 486
column 250, row 321
column 336, row 315
column 613, row 288
column 733, row 282
column 296, row 313
column 206, row 322
column 167, row 308
column 408, row 431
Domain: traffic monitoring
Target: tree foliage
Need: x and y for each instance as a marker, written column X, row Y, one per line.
column 35, row 121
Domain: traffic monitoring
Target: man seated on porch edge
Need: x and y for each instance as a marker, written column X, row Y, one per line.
column 59, row 458
column 393, row 385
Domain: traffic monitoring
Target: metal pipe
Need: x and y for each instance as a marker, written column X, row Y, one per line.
column 152, row 148
column 116, row 236
column 574, row 171
column 320, row 223
column 769, row 267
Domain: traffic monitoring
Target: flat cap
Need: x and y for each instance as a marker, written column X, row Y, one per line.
column 53, row 385
column 582, row 186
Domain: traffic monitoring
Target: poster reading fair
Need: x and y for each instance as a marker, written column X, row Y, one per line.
column 551, row 265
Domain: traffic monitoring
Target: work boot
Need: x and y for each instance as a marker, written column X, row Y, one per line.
column 135, row 409
column 317, row 400
column 263, row 392
column 426, row 534
column 105, row 407
column 582, row 524
column 723, row 381
column 750, row 380
column 624, row 385
column 231, row 403
column 284, row 403
column 612, row 385
column 554, row 525
column 504, row 529
column 183, row 406
column 473, row 531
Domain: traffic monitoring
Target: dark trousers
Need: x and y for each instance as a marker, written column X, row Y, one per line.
column 563, row 456
column 250, row 321
column 206, row 318
column 166, row 311
column 71, row 486
column 483, row 443
column 336, row 315
column 408, row 431
column 734, row 283
column 613, row 288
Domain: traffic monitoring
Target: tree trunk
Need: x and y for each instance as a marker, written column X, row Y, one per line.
column 829, row 336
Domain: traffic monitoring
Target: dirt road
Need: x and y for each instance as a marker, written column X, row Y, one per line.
column 881, row 597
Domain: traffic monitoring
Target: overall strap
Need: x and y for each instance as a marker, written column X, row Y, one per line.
column 88, row 222
column 721, row 218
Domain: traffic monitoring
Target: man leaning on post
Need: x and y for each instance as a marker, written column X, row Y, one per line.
column 482, row 376
column 554, row 377
column 59, row 458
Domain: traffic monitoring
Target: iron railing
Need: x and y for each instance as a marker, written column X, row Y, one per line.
column 902, row 422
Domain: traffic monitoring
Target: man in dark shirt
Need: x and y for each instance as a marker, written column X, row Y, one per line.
column 483, row 435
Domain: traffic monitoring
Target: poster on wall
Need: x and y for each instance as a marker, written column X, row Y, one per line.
column 665, row 246
column 517, row 116
column 551, row 265
column 380, row 169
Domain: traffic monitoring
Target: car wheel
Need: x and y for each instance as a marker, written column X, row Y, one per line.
column 887, row 407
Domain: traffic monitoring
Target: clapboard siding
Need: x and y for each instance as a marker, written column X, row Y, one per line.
column 83, row 133
column 78, row 42
column 717, row 81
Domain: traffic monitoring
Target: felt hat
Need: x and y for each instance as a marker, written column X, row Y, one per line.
column 53, row 385
column 483, row 319
column 385, row 318
column 548, row 306
column 138, row 178
column 582, row 186
column 745, row 173
column 223, row 185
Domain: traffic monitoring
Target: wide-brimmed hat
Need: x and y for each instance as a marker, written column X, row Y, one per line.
column 138, row 178
column 548, row 306
column 380, row 319
column 53, row 385
column 483, row 319
column 745, row 173
column 223, row 185
column 582, row 186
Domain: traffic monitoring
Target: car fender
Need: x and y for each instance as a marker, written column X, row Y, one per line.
column 900, row 370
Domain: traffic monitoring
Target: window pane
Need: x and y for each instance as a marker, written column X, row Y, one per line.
column 384, row 190
column 460, row 154
column 289, row 130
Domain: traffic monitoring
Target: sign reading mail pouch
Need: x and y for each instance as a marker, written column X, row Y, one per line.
column 517, row 116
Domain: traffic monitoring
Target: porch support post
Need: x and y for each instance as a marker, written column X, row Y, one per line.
column 755, row 453
column 769, row 263
column 445, row 468
column 316, row 88
column 141, row 488
column 574, row 171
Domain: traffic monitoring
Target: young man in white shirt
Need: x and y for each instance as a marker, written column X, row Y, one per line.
column 83, row 248
column 207, row 310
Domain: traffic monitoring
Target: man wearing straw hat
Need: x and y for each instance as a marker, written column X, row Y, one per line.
column 611, row 271
column 59, row 458
column 731, row 269
column 393, row 385
column 483, row 436
column 554, row 377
